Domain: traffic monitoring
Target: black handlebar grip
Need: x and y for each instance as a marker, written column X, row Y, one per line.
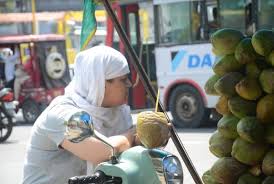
column 82, row 180
column 98, row 177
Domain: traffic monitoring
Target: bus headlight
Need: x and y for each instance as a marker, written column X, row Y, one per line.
column 173, row 170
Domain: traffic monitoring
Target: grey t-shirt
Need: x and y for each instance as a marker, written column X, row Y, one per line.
column 46, row 162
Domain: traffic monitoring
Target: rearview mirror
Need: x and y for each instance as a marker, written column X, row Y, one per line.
column 80, row 126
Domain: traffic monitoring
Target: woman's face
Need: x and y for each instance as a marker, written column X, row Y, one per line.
column 116, row 91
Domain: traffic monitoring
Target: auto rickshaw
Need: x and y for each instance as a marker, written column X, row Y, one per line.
column 44, row 59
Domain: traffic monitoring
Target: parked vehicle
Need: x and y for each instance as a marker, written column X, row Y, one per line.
column 7, row 113
column 136, row 165
column 181, row 48
column 44, row 59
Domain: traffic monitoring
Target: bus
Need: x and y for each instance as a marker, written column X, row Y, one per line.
column 181, row 46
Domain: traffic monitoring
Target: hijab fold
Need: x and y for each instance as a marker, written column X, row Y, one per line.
column 87, row 88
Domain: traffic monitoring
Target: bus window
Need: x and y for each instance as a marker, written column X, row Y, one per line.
column 248, row 19
column 47, row 27
column 146, row 22
column 195, row 20
column 265, row 14
column 212, row 17
column 173, row 22
column 133, row 28
column 116, row 38
column 10, row 28
column 179, row 22
column 232, row 14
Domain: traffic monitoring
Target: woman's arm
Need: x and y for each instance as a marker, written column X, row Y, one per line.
column 95, row 151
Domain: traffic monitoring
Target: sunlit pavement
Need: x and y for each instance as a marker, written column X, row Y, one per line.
column 13, row 150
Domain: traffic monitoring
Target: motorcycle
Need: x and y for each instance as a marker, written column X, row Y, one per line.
column 7, row 113
column 136, row 165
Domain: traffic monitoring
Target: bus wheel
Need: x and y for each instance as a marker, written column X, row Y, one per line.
column 187, row 107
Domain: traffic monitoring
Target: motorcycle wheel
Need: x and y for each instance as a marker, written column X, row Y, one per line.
column 6, row 126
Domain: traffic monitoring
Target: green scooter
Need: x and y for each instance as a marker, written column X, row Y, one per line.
column 137, row 165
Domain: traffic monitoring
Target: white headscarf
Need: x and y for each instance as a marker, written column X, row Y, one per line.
column 87, row 88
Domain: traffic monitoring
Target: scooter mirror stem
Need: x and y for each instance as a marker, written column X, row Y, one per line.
column 102, row 138
column 113, row 159
column 88, row 120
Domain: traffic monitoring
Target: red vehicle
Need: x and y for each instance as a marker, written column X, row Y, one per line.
column 137, row 97
column 44, row 59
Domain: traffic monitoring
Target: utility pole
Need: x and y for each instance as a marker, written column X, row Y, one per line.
column 33, row 10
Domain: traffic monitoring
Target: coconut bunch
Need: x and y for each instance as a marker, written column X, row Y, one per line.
column 244, row 81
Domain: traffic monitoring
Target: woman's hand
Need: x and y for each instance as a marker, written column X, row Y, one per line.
column 130, row 135
column 137, row 141
column 124, row 141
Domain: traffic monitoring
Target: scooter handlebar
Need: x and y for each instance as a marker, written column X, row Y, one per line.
column 82, row 179
column 98, row 177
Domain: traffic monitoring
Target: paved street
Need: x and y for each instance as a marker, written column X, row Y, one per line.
column 13, row 152
column 195, row 142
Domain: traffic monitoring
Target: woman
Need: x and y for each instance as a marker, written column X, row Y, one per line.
column 100, row 88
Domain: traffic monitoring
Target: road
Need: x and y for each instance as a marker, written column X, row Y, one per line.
column 13, row 150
